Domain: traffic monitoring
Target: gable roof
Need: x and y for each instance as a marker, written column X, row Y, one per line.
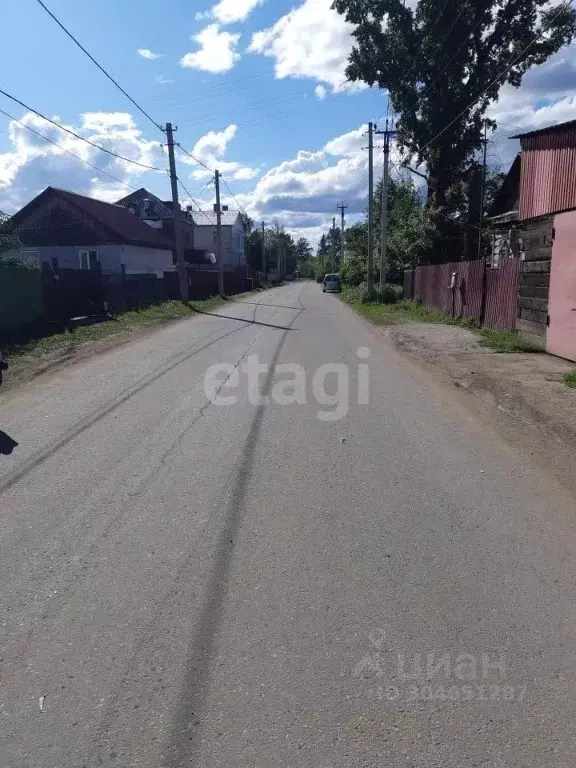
column 148, row 205
column 118, row 220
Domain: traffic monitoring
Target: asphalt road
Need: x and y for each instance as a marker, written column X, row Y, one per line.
column 184, row 583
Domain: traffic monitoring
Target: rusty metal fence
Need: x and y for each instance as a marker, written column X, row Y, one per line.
column 468, row 289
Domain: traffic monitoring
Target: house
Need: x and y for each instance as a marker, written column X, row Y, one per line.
column 198, row 229
column 78, row 232
column 541, row 188
column 233, row 253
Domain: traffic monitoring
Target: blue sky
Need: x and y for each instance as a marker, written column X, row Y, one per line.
column 254, row 86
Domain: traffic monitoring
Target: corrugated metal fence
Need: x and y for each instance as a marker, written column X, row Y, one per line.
column 468, row 289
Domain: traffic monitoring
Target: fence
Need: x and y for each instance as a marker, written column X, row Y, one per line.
column 20, row 297
column 468, row 289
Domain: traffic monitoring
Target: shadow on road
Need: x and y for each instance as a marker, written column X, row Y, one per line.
column 252, row 322
column 7, row 444
column 186, row 737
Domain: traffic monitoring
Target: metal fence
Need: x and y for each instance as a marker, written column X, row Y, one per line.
column 468, row 289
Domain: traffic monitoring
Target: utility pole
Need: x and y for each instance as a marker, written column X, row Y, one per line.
column 483, row 189
column 264, row 267
column 177, row 217
column 384, row 206
column 342, row 207
column 369, row 278
column 334, row 244
column 219, row 235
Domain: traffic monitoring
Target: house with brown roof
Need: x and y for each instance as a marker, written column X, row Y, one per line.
column 76, row 232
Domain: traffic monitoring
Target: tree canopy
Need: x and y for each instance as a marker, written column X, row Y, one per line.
column 443, row 63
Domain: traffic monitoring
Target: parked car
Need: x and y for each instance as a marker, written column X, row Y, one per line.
column 332, row 284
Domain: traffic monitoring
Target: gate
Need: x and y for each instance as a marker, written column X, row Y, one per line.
column 561, row 336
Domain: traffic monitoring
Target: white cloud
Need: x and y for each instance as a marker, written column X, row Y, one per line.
column 302, row 193
column 312, row 41
column 231, row 11
column 217, row 53
column 320, row 92
column 211, row 150
column 161, row 80
column 30, row 164
column 148, row 54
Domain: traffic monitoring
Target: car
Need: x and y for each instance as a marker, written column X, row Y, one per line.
column 332, row 284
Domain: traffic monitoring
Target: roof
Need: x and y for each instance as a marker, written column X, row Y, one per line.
column 125, row 225
column 548, row 129
column 148, row 205
column 208, row 218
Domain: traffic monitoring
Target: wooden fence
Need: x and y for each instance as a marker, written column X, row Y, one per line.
column 468, row 289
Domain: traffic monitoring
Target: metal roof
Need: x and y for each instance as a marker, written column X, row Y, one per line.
column 548, row 129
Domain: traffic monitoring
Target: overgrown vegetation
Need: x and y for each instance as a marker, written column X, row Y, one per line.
column 570, row 379
column 66, row 342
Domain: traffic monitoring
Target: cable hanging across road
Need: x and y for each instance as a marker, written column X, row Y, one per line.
column 67, row 151
column 100, row 67
column 233, row 195
column 77, row 136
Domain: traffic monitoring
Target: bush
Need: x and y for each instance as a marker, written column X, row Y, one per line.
column 389, row 294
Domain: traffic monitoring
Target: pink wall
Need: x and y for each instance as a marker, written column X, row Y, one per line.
column 561, row 336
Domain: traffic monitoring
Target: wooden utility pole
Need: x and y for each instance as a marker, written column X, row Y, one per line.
column 219, row 235
column 384, row 206
column 370, row 276
column 334, row 244
column 342, row 207
column 264, row 267
column 483, row 190
column 177, row 217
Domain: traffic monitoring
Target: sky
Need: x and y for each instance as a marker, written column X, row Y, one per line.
column 256, row 89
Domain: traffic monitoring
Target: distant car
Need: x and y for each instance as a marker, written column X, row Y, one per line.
column 332, row 284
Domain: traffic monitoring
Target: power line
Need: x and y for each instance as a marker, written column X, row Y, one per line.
column 100, row 67
column 233, row 195
column 77, row 136
column 196, row 202
column 196, row 160
column 54, row 143
column 496, row 79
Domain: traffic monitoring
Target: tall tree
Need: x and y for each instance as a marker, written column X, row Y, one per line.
column 444, row 62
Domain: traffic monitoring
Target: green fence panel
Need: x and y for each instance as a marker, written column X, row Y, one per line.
column 20, row 296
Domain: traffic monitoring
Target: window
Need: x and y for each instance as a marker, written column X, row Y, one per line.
column 30, row 257
column 88, row 259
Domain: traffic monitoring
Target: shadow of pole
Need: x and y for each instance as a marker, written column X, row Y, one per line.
column 7, row 444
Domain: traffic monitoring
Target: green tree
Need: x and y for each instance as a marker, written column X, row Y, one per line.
column 443, row 63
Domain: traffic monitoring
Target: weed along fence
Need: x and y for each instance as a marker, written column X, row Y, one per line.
column 468, row 289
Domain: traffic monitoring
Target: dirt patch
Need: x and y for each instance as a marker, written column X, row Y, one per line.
column 528, row 387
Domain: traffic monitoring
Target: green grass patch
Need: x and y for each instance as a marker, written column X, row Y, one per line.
column 506, row 341
column 401, row 312
column 66, row 342
column 570, row 379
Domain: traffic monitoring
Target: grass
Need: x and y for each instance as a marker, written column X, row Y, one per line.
column 570, row 379
column 66, row 342
column 402, row 312
column 412, row 312
column 506, row 341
